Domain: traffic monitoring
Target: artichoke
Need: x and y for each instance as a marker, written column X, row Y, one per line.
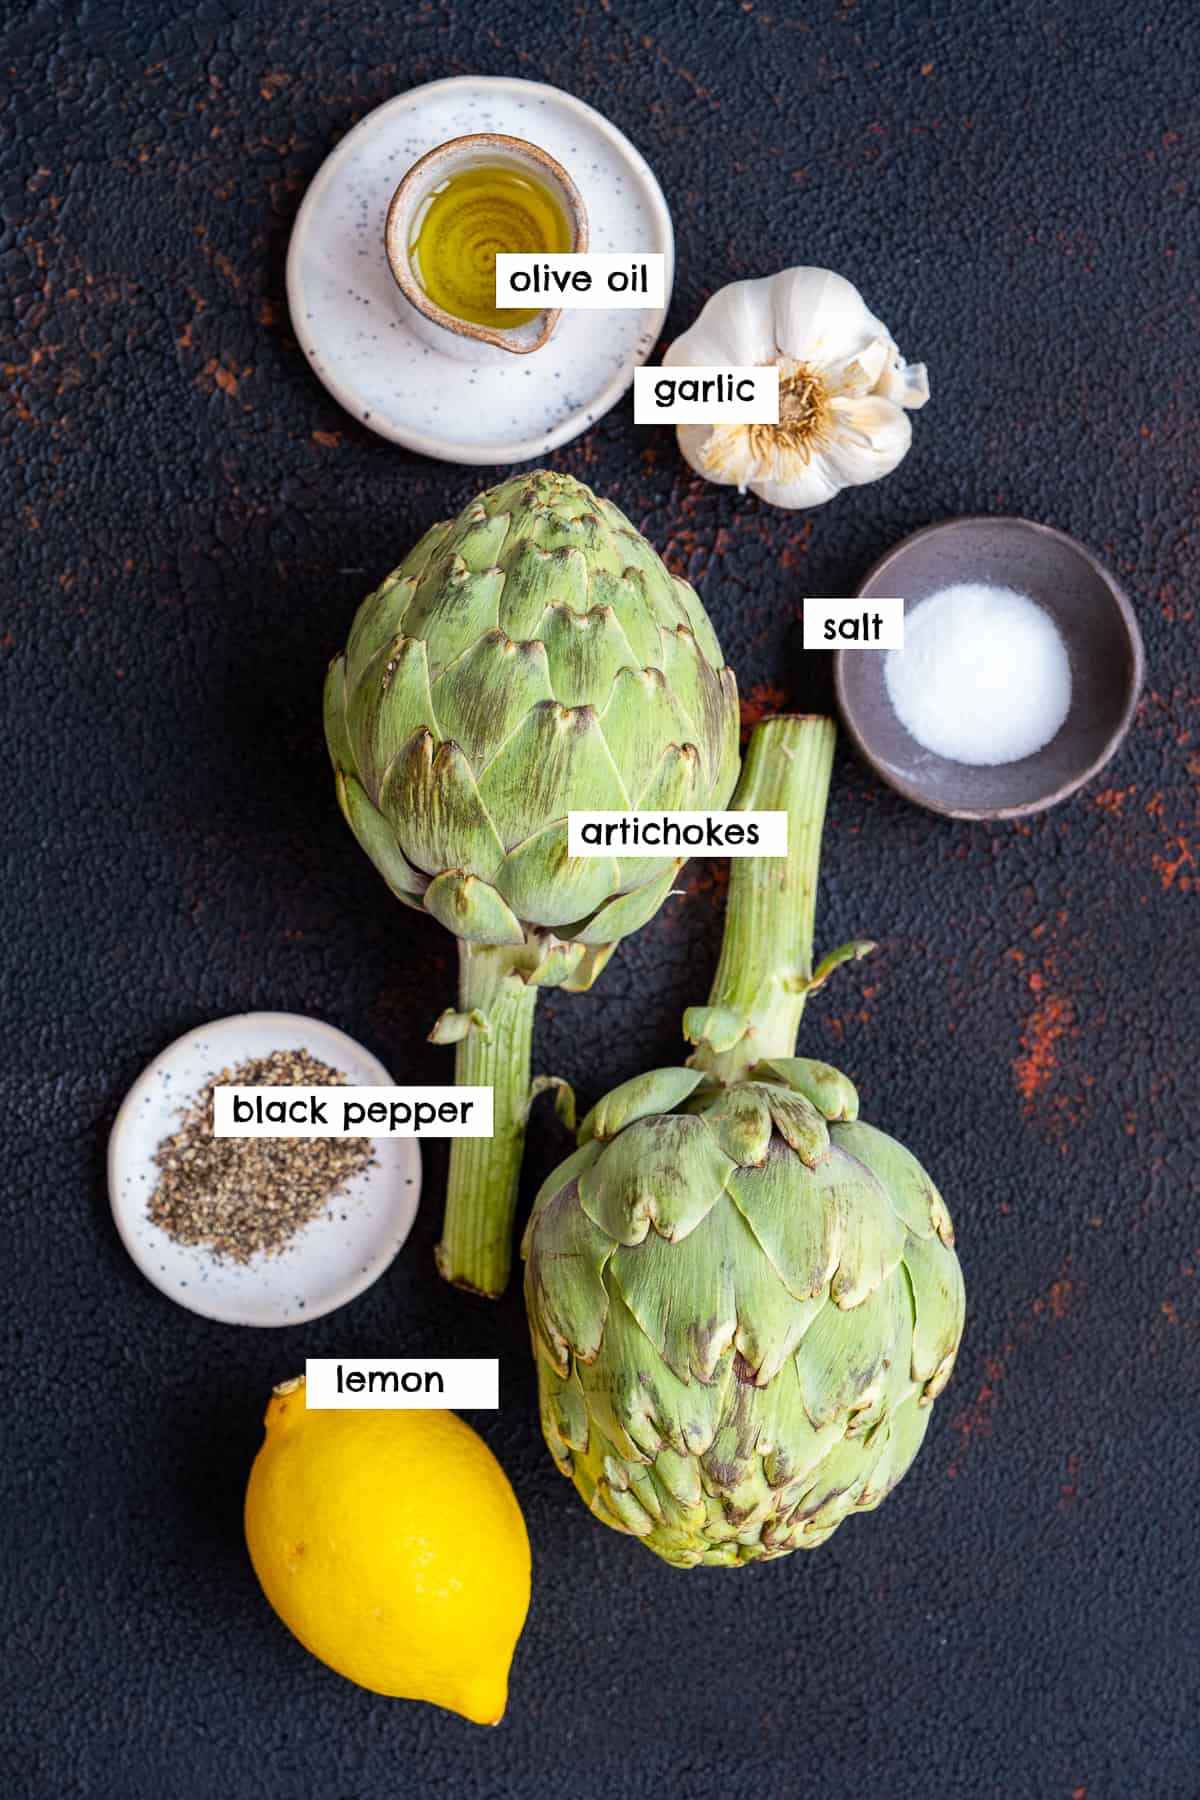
column 743, row 1299
column 532, row 656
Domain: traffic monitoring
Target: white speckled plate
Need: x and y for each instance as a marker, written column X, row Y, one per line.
column 332, row 1259
column 351, row 318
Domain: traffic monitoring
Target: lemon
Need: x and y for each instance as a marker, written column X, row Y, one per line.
column 392, row 1545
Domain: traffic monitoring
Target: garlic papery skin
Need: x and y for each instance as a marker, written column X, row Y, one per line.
column 845, row 391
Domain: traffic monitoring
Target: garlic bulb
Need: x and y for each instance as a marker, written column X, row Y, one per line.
column 844, row 388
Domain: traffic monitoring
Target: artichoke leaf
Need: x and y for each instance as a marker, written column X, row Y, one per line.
column 913, row 1196
column 378, row 620
column 679, row 1478
column 386, row 708
column 627, row 913
column 939, row 1303
column 537, row 579
column 640, row 719
column 636, row 560
column 632, row 1397
column 788, row 1442
column 378, row 840
column 799, row 1123
column 771, row 1321
column 741, row 1119
column 564, row 1412
column 904, row 1434
column 694, row 614
column 591, row 964
column 675, row 785
column 709, row 1090
column 682, row 1296
column 452, row 607
column 871, row 1238
column 480, row 699
column 434, row 805
column 553, row 513
column 337, row 738
column 544, row 884
column 853, row 952
column 568, row 1170
column 564, row 1098
column 594, row 1495
column 586, row 651
column 556, row 760
column 565, row 1278
column 621, row 1511
column 627, row 1512
column 718, row 1028
column 657, row 1091
column 634, row 602
column 636, row 1400
column 557, row 964
column 668, row 1171
column 834, row 1489
column 471, row 909
column 704, row 696
column 479, row 537
column 846, row 1356
column 733, row 1477
column 676, row 1506
column 795, row 1214
column 451, row 1026
column 729, row 755
column 833, row 1094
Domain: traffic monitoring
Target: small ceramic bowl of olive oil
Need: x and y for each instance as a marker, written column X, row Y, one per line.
column 458, row 208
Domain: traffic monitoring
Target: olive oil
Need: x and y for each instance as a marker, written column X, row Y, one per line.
column 470, row 219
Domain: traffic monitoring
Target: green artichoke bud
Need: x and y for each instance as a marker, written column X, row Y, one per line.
column 742, row 1298
column 530, row 657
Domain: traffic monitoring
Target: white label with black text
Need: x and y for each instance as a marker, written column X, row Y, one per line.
column 677, row 833
column 584, row 280
column 408, row 1383
column 728, row 395
column 383, row 1112
column 853, row 624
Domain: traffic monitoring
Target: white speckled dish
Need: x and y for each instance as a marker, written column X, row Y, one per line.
column 353, row 322
column 332, row 1259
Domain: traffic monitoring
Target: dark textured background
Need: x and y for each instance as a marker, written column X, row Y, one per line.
column 190, row 523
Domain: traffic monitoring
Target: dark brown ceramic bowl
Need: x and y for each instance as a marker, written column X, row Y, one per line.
column 1102, row 638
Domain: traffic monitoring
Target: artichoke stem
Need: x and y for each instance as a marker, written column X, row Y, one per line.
column 481, row 1199
column 767, row 948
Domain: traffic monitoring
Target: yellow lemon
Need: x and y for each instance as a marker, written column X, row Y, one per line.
column 392, row 1545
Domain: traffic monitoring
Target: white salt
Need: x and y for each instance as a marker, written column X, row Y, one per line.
column 983, row 677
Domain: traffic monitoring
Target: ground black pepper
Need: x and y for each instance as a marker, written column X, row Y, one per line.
column 242, row 1196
